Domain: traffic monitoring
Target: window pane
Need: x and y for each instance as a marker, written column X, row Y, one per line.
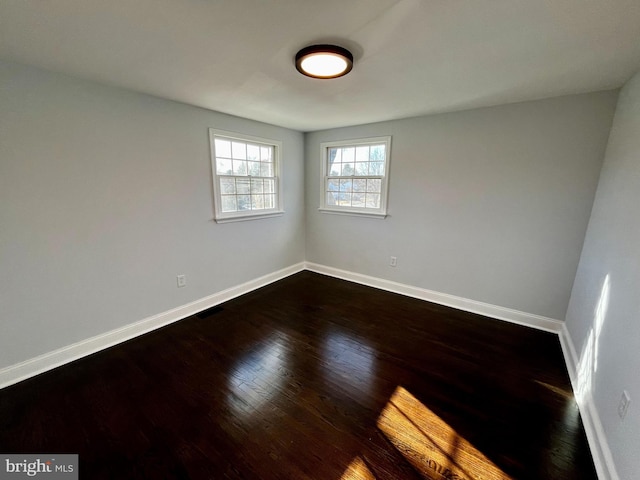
column 243, row 185
column 333, row 185
column 345, row 185
column 344, row 199
column 347, row 169
column 376, row 168
column 265, row 154
column 253, row 152
column 332, row 198
column 227, row 186
column 239, row 150
column 374, row 185
column 266, row 170
column 239, row 167
column 269, row 201
column 256, row 185
column 335, row 155
column 254, row 168
column 348, row 154
column 223, row 148
column 257, row 202
column 377, row 153
column 362, row 168
column 269, row 186
column 357, row 200
column 334, row 161
column 359, row 185
column 362, row 154
column 224, row 166
column 373, row 200
column 244, row 202
column 229, row 203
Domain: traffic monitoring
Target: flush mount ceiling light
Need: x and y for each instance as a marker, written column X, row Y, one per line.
column 324, row 61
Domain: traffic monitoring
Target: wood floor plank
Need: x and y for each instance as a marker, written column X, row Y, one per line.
column 311, row 378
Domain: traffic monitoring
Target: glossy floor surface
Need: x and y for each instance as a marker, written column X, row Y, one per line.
column 311, row 378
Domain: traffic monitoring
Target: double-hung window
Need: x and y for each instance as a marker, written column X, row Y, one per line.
column 246, row 176
column 355, row 176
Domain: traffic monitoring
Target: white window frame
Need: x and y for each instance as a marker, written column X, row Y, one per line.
column 379, row 213
column 223, row 217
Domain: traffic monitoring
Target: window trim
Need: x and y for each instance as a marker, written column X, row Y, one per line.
column 226, row 217
column 380, row 213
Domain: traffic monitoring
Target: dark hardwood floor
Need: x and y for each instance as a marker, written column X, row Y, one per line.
column 311, row 378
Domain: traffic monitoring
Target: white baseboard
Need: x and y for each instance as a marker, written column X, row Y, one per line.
column 486, row 309
column 570, row 355
column 600, row 451
column 48, row 361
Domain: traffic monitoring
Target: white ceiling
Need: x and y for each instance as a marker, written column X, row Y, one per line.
column 412, row 57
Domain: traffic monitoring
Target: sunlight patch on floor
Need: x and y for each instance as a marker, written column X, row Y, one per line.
column 563, row 392
column 430, row 445
column 357, row 470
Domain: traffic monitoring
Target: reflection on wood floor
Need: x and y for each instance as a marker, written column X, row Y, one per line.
column 312, row 378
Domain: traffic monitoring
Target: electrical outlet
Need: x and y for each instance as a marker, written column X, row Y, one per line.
column 393, row 262
column 623, row 406
column 182, row 281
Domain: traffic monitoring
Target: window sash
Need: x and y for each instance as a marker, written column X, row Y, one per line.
column 340, row 194
column 252, row 199
column 238, row 194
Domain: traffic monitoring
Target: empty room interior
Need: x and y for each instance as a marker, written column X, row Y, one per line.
column 219, row 262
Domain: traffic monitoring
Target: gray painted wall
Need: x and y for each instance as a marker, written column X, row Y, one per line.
column 490, row 204
column 603, row 318
column 105, row 196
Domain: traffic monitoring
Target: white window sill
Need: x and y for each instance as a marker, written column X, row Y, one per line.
column 357, row 213
column 243, row 218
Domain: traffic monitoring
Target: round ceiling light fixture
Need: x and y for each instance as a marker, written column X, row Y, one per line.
column 324, row 61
